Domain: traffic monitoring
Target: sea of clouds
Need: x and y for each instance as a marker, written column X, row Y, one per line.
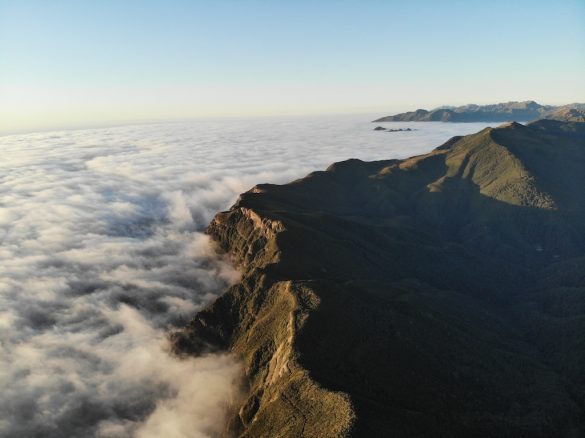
column 102, row 252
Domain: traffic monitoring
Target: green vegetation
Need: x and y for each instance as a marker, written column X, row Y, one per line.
column 442, row 295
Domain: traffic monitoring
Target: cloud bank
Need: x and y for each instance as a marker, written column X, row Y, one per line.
column 102, row 252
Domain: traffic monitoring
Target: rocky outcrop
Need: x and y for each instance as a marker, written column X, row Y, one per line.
column 442, row 295
column 260, row 319
column 379, row 128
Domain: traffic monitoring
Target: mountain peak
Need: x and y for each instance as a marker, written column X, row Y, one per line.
column 512, row 125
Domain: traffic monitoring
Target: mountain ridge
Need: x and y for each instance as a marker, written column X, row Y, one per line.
column 439, row 295
column 525, row 111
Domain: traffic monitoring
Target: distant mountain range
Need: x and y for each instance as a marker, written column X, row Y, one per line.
column 500, row 112
column 437, row 296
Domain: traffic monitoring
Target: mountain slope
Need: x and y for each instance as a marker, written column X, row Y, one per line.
column 442, row 295
column 568, row 113
column 500, row 112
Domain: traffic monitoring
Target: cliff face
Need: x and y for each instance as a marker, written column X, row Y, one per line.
column 442, row 295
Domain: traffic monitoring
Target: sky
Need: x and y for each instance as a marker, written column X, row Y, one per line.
column 90, row 63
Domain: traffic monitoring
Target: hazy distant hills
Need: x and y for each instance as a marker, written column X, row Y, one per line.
column 441, row 295
column 500, row 112
column 568, row 113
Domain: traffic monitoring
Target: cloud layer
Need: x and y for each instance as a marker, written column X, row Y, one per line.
column 102, row 252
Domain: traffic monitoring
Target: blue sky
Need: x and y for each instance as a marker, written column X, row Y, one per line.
column 73, row 63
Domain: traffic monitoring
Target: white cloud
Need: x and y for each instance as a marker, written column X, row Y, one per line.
column 179, row 212
column 102, row 251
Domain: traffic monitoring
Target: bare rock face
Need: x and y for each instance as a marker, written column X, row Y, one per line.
column 442, row 295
